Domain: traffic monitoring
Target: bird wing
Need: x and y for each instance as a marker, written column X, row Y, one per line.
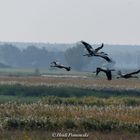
column 109, row 75
column 97, row 49
column 136, row 72
column 87, row 46
column 104, row 57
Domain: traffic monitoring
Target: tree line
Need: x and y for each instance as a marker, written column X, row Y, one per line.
column 40, row 57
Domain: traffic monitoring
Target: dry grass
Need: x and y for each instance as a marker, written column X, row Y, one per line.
column 43, row 116
column 76, row 82
column 82, row 117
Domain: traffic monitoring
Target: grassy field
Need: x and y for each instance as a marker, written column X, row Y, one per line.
column 91, row 83
column 42, row 71
column 33, row 107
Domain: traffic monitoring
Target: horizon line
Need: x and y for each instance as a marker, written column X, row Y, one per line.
column 43, row 42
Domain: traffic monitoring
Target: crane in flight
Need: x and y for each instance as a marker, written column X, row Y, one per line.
column 95, row 52
column 58, row 65
column 106, row 71
column 128, row 75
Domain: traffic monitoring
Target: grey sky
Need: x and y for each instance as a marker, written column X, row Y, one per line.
column 108, row 21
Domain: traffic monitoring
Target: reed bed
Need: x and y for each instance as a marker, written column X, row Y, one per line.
column 52, row 117
column 70, row 104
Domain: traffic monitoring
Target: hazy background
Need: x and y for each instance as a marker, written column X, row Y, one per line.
column 35, row 32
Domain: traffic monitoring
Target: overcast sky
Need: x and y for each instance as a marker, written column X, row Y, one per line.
column 68, row 21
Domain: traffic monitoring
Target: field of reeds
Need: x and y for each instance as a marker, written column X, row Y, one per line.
column 39, row 106
column 41, row 115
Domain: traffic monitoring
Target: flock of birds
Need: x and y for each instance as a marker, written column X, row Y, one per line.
column 96, row 52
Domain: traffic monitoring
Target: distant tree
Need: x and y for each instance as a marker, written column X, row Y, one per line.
column 74, row 57
column 10, row 54
column 33, row 56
